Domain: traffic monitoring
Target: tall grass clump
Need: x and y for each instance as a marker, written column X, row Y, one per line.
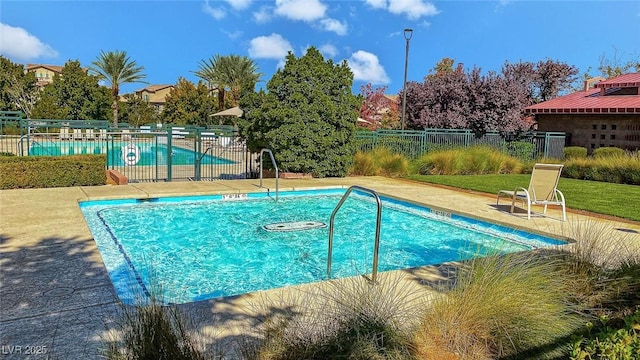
column 608, row 152
column 604, row 264
column 475, row 160
column 152, row 331
column 619, row 169
column 347, row 319
column 498, row 306
column 380, row 161
column 575, row 152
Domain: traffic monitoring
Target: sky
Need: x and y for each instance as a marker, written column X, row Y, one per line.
column 170, row 38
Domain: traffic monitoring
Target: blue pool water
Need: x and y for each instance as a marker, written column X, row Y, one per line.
column 146, row 153
column 196, row 248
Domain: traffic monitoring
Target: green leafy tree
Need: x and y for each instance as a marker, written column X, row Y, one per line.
column 18, row 90
column 136, row 111
column 72, row 95
column 306, row 117
column 233, row 73
column 188, row 104
column 116, row 68
column 618, row 64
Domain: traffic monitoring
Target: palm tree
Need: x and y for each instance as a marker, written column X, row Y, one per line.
column 232, row 73
column 116, row 68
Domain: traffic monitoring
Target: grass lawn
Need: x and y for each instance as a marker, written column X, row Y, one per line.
column 599, row 197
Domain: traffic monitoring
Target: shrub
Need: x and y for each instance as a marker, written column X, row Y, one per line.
column 608, row 152
column 379, row 161
column 19, row 172
column 620, row 169
column 610, row 342
column 575, row 152
column 475, row 160
column 522, row 150
column 498, row 306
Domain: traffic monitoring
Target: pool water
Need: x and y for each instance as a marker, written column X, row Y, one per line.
column 197, row 248
column 146, row 153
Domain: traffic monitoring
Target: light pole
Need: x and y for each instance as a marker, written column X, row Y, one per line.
column 407, row 36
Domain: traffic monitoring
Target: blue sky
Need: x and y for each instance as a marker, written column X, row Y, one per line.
column 169, row 38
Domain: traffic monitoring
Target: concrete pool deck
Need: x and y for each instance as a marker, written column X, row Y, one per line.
column 55, row 291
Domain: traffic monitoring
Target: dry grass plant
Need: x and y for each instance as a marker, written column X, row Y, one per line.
column 476, row 160
column 344, row 319
column 603, row 266
column 499, row 306
column 380, row 161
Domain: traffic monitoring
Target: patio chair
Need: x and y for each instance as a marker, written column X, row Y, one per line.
column 64, row 133
column 542, row 190
column 102, row 134
column 89, row 134
column 77, row 134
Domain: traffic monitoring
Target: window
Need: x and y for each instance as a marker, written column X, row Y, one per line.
column 593, row 146
column 593, row 136
column 603, row 127
column 594, row 126
column 613, row 137
column 614, row 127
column 602, row 137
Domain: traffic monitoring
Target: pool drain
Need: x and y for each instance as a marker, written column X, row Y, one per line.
column 294, row 226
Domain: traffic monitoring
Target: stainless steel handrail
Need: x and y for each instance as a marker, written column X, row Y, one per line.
column 378, row 219
column 273, row 161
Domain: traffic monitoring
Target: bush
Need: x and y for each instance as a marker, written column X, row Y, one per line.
column 619, row 169
column 522, row 150
column 466, row 161
column 20, row 172
column 499, row 306
column 575, row 152
column 380, row 161
column 608, row 152
column 347, row 319
column 621, row 343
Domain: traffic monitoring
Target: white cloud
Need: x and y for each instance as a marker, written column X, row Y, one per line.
column 305, row 10
column 334, row 25
column 366, row 67
column 263, row 15
column 16, row 42
column 377, row 4
column 233, row 35
column 273, row 46
column 413, row 9
column 239, row 4
column 328, row 50
column 216, row 13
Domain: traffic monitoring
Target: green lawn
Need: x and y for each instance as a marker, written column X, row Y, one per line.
column 598, row 197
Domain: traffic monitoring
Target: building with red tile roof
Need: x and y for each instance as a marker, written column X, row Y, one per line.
column 44, row 73
column 604, row 113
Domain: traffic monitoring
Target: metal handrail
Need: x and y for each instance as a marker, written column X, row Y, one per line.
column 273, row 161
column 378, row 219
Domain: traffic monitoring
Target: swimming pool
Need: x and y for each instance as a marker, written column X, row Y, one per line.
column 197, row 248
column 131, row 154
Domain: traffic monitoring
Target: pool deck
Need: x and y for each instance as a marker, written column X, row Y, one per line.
column 55, row 290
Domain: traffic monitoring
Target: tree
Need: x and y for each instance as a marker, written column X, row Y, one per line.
column 18, row 90
column 615, row 66
column 137, row 111
column 116, row 68
column 306, row 117
column 378, row 110
column 233, row 73
column 188, row 104
column 73, row 95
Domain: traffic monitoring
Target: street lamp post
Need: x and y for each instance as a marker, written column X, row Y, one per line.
column 407, row 36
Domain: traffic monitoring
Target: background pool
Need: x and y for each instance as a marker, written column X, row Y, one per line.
column 149, row 154
column 206, row 247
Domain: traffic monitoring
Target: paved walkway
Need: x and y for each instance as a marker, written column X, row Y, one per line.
column 56, row 293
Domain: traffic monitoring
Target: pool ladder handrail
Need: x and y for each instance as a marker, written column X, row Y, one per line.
column 273, row 161
column 378, row 220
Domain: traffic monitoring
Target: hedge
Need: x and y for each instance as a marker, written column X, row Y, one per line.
column 25, row 172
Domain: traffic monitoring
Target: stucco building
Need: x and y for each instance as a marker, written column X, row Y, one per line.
column 604, row 113
column 44, row 73
column 155, row 95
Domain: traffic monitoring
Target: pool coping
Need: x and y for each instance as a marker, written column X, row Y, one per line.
column 56, row 292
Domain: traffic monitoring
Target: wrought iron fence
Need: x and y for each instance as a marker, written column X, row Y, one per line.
column 412, row 143
column 145, row 154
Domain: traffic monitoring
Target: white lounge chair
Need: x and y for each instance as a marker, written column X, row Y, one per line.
column 64, row 133
column 102, row 134
column 542, row 190
column 77, row 134
column 126, row 135
column 89, row 135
